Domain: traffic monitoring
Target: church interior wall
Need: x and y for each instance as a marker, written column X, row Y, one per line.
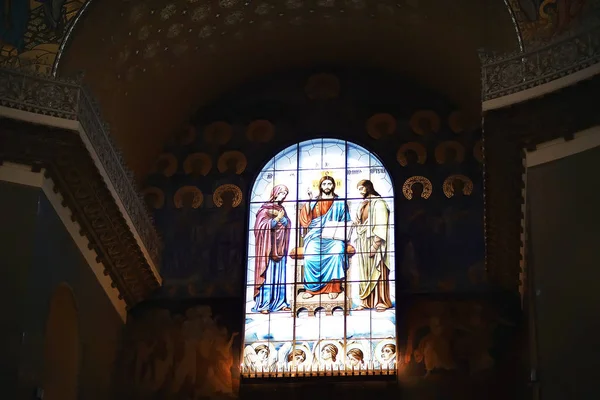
column 40, row 256
column 563, row 232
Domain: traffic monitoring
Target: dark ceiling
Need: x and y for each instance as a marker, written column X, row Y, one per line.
column 153, row 63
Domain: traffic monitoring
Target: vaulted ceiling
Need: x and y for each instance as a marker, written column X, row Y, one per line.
column 153, row 63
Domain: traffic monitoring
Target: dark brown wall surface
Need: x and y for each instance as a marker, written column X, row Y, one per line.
column 46, row 256
column 17, row 215
column 564, row 237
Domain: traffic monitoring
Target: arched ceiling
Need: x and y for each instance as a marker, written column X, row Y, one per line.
column 152, row 63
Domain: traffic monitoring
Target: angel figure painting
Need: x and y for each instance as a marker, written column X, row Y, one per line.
column 321, row 261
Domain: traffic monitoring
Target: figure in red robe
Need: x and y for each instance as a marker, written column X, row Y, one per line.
column 272, row 236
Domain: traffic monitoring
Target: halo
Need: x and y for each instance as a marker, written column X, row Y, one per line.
column 478, row 151
column 260, row 131
column 440, row 157
column 379, row 347
column 339, row 183
column 201, row 167
column 196, row 202
column 449, row 189
column 338, row 345
column 434, row 122
column 357, row 345
column 414, row 146
column 456, row 121
column 407, row 187
column 237, row 195
column 171, row 167
column 240, row 161
column 251, row 348
column 322, row 86
column 309, row 355
column 381, row 124
column 160, row 196
column 218, row 132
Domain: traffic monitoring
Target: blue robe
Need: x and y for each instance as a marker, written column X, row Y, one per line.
column 324, row 259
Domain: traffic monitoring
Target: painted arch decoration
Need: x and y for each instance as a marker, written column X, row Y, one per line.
column 320, row 292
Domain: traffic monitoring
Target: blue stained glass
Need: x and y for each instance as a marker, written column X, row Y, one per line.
column 321, row 275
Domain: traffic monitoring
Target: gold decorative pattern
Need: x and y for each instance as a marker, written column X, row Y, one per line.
column 196, row 201
column 322, row 87
column 478, row 151
column 425, row 122
column 166, row 165
column 456, row 122
column 381, row 124
column 197, row 164
column 261, row 131
column 229, row 157
column 449, row 189
column 154, row 197
column 237, row 195
column 407, row 187
column 218, row 133
column 440, row 151
column 417, row 147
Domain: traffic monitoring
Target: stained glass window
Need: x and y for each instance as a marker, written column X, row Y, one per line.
column 321, row 265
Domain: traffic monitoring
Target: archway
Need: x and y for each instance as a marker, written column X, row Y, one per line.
column 321, row 271
column 61, row 346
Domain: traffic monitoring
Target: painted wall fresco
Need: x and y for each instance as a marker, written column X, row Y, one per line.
column 203, row 200
column 180, row 352
column 540, row 21
column 31, row 31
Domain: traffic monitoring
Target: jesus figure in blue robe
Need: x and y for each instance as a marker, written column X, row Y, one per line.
column 325, row 259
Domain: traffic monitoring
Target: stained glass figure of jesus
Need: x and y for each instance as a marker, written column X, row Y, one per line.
column 325, row 261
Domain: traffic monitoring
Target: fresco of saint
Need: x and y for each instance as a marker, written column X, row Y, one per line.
column 272, row 234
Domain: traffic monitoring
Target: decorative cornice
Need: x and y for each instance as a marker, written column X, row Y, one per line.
column 507, row 133
column 67, row 162
column 505, row 74
column 67, row 99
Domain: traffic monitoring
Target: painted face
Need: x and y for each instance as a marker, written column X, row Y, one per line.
column 362, row 190
column 353, row 360
column 387, row 354
column 263, row 354
column 298, row 359
column 327, row 187
column 326, row 354
column 281, row 196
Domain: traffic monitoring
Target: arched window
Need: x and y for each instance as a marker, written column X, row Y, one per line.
column 321, row 269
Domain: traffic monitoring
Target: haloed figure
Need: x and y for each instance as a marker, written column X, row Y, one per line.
column 296, row 357
column 355, row 358
column 372, row 230
column 325, row 261
column 329, row 355
column 272, row 235
column 388, row 354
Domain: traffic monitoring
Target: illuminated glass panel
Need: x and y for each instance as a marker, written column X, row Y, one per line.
column 320, row 293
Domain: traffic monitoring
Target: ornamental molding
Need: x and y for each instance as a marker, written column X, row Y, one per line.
column 65, row 103
column 509, row 134
column 67, row 162
column 24, row 175
column 522, row 75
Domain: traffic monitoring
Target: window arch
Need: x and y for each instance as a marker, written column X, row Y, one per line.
column 321, row 263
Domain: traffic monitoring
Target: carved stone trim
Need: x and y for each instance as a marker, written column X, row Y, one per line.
column 66, row 161
column 506, row 74
column 67, row 99
column 507, row 132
